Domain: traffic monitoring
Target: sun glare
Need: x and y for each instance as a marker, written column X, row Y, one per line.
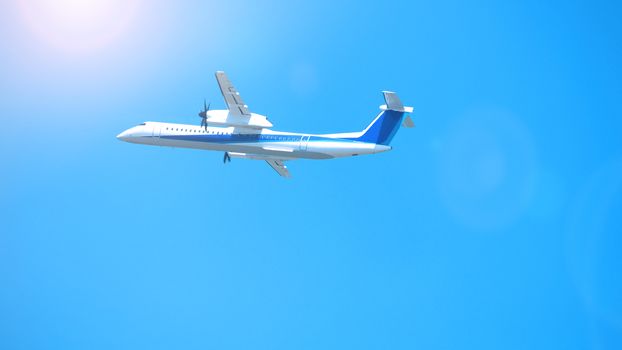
column 78, row 26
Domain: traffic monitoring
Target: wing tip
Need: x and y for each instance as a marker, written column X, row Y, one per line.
column 280, row 168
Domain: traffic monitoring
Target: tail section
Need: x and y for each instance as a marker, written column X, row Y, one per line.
column 386, row 124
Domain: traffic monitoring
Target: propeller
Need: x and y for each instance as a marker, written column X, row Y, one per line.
column 226, row 158
column 203, row 114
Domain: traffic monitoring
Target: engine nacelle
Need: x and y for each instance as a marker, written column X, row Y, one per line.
column 225, row 118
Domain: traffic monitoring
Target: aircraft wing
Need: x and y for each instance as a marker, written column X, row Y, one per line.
column 279, row 167
column 231, row 95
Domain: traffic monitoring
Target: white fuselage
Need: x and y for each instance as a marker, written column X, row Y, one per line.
column 251, row 143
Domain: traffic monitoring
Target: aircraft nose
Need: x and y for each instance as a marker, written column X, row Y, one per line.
column 124, row 136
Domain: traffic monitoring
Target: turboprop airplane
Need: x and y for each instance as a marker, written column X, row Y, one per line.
column 242, row 134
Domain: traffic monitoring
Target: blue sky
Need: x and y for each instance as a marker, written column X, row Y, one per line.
column 493, row 224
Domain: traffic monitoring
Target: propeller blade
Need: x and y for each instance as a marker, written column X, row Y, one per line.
column 203, row 113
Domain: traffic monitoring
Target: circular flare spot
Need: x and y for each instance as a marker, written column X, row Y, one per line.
column 486, row 169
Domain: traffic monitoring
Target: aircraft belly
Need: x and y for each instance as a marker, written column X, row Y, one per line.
column 252, row 148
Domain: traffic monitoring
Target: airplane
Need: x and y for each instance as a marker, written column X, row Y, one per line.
column 242, row 134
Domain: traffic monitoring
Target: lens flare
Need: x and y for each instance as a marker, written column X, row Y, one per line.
column 594, row 241
column 487, row 166
column 78, row 26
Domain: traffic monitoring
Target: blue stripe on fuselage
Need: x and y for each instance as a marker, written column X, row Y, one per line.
column 237, row 138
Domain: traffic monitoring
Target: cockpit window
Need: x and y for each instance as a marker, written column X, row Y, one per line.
column 142, row 124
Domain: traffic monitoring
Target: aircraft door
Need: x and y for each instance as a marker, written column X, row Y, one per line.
column 155, row 133
column 304, row 141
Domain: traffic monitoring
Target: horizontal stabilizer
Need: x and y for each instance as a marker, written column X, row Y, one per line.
column 408, row 122
column 393, row 103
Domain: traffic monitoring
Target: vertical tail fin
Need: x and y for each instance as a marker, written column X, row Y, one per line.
column 385, row 125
